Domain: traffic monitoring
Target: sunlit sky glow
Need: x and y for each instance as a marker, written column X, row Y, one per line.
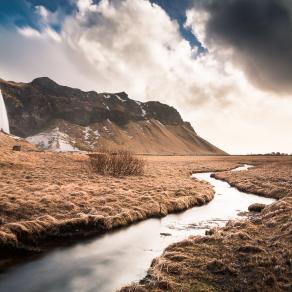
column 226, row 65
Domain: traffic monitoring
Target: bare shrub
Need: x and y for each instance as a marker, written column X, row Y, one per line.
column 117, row 163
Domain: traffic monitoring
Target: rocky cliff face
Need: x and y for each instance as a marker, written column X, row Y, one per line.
column 59, row 117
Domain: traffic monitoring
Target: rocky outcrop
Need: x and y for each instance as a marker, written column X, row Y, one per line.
column 50, row 115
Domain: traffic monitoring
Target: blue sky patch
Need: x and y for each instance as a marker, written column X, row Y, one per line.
column 22, row 13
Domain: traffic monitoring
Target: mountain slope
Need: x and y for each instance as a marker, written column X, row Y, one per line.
column 58, row 117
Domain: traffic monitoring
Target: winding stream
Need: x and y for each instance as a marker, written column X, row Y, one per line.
column 115, row 259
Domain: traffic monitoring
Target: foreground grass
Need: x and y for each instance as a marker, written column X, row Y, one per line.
column 49, row 196
column 250, row 255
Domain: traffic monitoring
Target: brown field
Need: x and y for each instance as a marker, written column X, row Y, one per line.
column 45, row 197
column 272, row 180
column 250, row 255
column 48, row 196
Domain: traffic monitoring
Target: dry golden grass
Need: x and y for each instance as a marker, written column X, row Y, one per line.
column 250, row 255
column 270, row 180
column 56, row 195
column 117, row 163
column 48, row 196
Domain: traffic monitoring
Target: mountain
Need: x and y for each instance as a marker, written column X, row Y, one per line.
column 58, row 117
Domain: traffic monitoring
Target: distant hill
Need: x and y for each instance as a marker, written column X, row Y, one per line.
column 56, row 117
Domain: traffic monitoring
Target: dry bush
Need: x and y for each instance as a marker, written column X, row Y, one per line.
column 117, row 163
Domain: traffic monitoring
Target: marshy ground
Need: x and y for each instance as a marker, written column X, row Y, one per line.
column 46, row 196
column 250, row 255
column 56, row 195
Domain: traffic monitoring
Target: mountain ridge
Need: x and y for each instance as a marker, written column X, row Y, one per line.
column 43, row 109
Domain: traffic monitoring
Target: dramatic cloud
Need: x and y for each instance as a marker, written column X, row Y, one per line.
column 130, row 45
column 135, row 46
column 257, row 33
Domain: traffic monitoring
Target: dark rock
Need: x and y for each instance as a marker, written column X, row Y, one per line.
column 250, row 249
column 257, row 207
column 218, row 267
column 16, row 148
column 210, row 232
column 165, row 234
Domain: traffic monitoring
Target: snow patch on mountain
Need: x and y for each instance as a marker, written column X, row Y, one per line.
column 143, row 111
column 91, row 136
column 119, row 98
column 53, row 140
column 87, row 133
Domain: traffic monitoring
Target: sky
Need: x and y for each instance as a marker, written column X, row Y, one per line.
column 226, row 65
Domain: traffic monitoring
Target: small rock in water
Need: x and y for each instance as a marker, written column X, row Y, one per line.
column 243, row 213
column 257, row 207
column 165, row 234
column 209, row 232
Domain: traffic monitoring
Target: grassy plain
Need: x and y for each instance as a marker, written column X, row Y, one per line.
column 47, row 196
column 51, row 197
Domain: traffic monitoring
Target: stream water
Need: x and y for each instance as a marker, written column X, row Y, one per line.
column 113, row 260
